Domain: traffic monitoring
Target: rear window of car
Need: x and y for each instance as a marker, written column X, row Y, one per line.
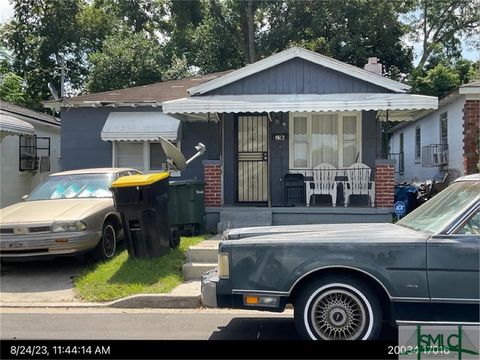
column 74, row 186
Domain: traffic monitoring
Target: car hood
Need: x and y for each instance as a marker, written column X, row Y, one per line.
column 52, row 210
column 336, row 233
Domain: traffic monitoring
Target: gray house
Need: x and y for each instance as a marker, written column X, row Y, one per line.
column 297, row 128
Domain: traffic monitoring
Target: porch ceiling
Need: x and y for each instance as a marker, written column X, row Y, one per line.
column 299, row 103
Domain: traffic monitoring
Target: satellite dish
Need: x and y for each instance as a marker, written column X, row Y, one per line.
column 175, row 156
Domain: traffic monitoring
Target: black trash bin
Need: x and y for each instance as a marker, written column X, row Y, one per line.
column 186, row 206
column 142, row 201
column 407, row 194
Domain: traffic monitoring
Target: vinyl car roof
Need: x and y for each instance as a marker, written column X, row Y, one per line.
column 472, row 177
column 93, row 171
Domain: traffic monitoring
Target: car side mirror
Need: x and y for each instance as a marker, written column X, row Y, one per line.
column 25, row 197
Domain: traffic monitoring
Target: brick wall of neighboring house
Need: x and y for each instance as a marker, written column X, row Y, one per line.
column 213, row 183
column 384, row 183
column 471, row 134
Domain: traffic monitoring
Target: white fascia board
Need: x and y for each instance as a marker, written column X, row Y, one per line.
column 289, row 54
column 469, row 90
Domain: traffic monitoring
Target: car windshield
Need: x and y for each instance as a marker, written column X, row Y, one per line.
column 442, row 209
column 74, row 186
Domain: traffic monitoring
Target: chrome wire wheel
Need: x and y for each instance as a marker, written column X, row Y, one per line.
column 338, row 314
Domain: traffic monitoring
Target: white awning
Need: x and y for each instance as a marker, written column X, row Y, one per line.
column 299, row 102
column 10, row 125
column 139, row 126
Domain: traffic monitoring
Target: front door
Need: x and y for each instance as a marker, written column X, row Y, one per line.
column 252, row 158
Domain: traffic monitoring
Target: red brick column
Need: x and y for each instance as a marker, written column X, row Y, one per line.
column 384, row 183
column 471, row 135
column 212, row 171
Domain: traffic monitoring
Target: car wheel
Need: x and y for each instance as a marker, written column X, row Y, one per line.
column 108, row 243
column 337, row 308
column 174, row 238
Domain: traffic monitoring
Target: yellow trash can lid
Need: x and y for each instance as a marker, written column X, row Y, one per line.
column 139, row 180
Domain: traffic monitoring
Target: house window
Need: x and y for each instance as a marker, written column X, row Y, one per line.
column 401, row 162
column 443, row 129
column 418, row 143
column 332, row 138
column 28, row 153
column 141, row 155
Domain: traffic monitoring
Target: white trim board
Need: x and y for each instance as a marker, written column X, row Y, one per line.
column 296, row 52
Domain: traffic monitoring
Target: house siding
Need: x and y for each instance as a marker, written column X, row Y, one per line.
column 298, row 76
column 82, row 146
column 430, row 134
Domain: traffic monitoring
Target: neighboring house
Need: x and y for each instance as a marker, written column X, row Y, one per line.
column 295, row 112
column 30, row 150
column 442, row 141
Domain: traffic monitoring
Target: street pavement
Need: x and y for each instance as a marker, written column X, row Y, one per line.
column 149, row 324
column 145, row 324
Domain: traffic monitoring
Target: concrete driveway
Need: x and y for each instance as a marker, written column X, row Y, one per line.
column 38, row 281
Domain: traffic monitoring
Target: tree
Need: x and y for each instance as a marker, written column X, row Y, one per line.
column 178, row 69
column 350, row 30
column 442, row 78
column 440, row 25
column 12, row 88
column 125, row 60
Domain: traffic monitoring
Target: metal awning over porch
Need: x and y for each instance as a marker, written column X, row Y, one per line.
column 299, row 103
column 10, row 125
column 139, row 126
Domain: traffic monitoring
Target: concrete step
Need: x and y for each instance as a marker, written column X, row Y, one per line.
column 194, row 270
column 205, row 252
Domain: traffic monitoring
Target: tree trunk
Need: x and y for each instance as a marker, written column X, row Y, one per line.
column 247, row 12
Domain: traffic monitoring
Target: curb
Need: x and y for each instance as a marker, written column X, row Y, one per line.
column 160, row 301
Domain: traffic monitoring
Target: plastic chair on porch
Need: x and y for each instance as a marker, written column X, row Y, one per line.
column 358, row 182
column 324, row 181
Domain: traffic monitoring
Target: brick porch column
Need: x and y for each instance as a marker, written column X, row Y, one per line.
column 384, row 183
column 471, row 135
column 212, row 170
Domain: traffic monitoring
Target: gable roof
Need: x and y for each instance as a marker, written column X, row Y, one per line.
column 297, row 52
column 25, row 113
column 149, row 94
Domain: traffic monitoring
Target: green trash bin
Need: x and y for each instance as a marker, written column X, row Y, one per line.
column 142, row 201
column 186, row 206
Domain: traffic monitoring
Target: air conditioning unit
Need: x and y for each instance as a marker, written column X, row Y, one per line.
column 440, row 158
column 44, row 164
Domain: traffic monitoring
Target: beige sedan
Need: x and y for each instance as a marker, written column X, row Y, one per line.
column 69, row 213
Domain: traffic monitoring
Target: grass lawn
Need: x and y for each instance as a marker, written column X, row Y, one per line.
column 123, row 276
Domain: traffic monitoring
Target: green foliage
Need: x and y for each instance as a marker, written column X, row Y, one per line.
column 178, row 69
column 126, row 60
column 12, row 88
column 442, row 78
column 350, row 31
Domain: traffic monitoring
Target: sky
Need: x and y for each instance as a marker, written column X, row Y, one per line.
column 6, row 12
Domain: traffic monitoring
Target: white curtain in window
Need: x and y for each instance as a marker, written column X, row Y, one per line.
column 129, row 154
column 300, row 144
column 324, row 139
column 350, row 151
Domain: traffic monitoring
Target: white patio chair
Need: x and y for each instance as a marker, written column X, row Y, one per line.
column 358, row 182
column 324, row 182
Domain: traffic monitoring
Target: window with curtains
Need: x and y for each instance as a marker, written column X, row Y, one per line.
column 332, row 138
column 141, row 155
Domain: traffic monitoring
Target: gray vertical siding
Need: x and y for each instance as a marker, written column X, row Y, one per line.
column 82, row 146
column 229, row 159
column 278, row 157
column 298, row 76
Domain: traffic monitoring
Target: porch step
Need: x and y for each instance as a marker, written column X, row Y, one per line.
column 232, row 218
column 194, row 270
column 205, row 252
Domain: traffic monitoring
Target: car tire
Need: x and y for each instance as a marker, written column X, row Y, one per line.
column 174, row 238
column 337, row 308
column 107, row 245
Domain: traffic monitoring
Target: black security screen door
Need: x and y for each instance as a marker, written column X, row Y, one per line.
column 252, row 159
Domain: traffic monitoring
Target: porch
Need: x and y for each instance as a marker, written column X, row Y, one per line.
column 229, row 217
